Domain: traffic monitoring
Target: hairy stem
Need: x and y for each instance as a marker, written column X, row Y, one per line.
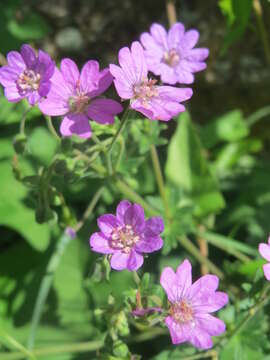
column 171, row 12
column 23, row 119
column 51, row 128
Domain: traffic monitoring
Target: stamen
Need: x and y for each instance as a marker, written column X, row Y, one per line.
column 171, row 57
column 124, row 238
column 181, row 311
column 145, row 90
column 28, row 80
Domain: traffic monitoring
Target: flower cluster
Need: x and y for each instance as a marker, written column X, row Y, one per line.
column 76, row 96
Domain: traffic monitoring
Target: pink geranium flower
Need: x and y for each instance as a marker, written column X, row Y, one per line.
column 127, row 236
column 132, row 82
column 27, row 75
column 172, row 55
column 74, row 96
column 190, row 305
column 264, row 250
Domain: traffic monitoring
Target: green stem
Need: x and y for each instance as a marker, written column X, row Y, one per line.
column 258, row 115
column 51, row 268
column 51, row 128
column 120, row 129
column 53, row 350
column 23, row 119
column 132, row 195
column 89, row 209
column 251, row 313
column 160, row 181
column 23, row 351
column 262, row 30
column 189, row 246
column 45, row 287
column 136, row 278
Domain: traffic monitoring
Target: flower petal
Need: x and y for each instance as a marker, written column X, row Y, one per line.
column 179, row 332
column 153, row 226
column 189, row 40
column 203, row 287
column 127, row 64
column 168, row 282
column 12, row 94
column 266, row 270
column 121, row 210
column 151, row 46
column 70, row 72
column 134, row 216
column 119, row 261
column 15, row 61
column 149, row 244
column 192, row 66
column 33, row 97
column 77, row 124
column 175, row 35
column 201, row 339
column 210, row 324
column 89, row 78
column 107, row 223
column 123, row 87
column 160, row 35
column 210, row 303
column 99, row 243
column 135, row 261
column 174, row 94
column 28, row 55
column 137, row 53
column 8, row 76
column 199, row 54
column 264, row 250
column 184, row 277
column 104, row 110
column 105, row 80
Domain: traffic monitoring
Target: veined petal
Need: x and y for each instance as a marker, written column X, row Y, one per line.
column 137, row 53
column 174, row 94
column 127, row 64
column 160, row 35
column 134, row 216
column 149, row 244
column 154, row 226
column 99, row 243
column 189, row 40
column 105, row 80
column 70, row 72
column 135, row 261
column 77, row 124
column 179, row 332
column 28, row 55
column 168, row 282
column 119, row 261
column 199, row 54
column 201, row 339
column 8, row 76
column 90, row 76
column 175, row 35
column 210, row 324
column 121, row 210
column 123, row 86
column 15, row 61
column 264, row 250
column 107, row 223
column 103, row 110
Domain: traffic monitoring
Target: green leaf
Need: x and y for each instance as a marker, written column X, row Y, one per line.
column 187, row 168
column 14, row 212
column 238, row 13
column 31, row 27
column 42, row 145
column 229, row 127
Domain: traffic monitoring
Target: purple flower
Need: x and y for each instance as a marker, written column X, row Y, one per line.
column 73, row 95
column 132, row 82
column 264, row 250
column 171, row 55
column 127, row 236
column 27, row 75
column 146, row 311
column 190, row 305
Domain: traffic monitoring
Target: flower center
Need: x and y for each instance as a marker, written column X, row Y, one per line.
column 79, row 103
column 145, row 90
column 124, row 238
column 171, row 57
column 181, row 311
column 28, row 80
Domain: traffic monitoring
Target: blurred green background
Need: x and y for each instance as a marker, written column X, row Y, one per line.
column 229, row 182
